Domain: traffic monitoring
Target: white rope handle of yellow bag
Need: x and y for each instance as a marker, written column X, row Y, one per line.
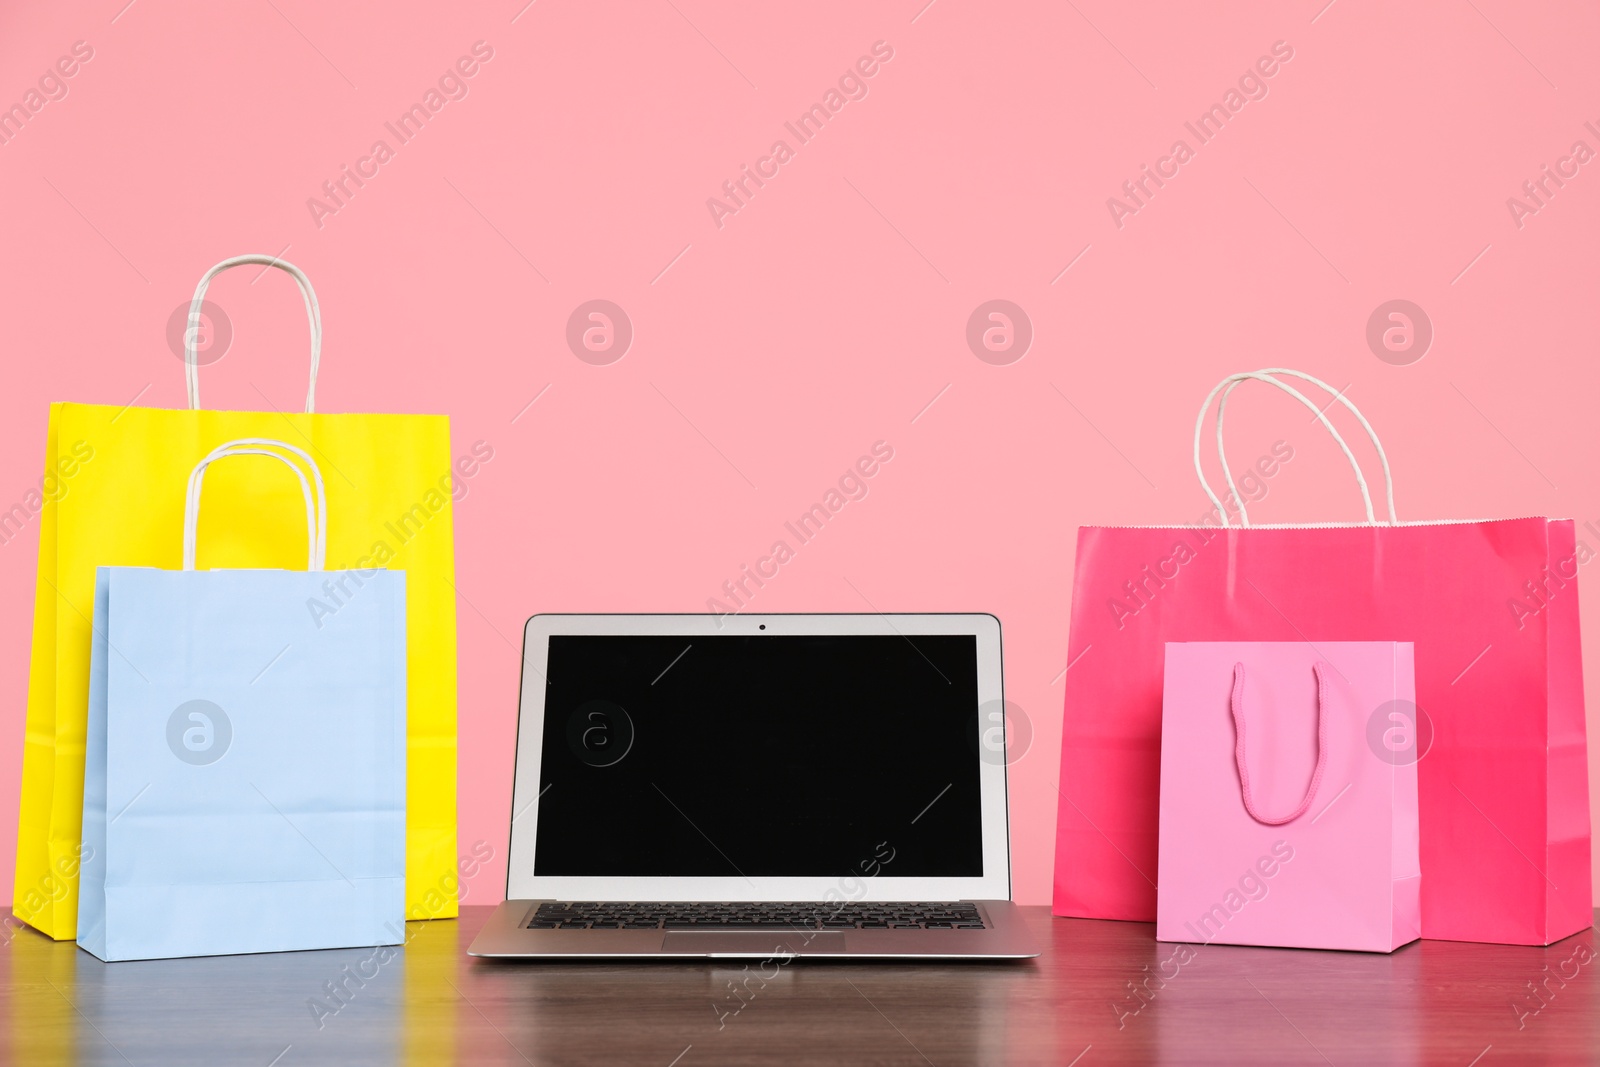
column 316, row 516
column 191, row 365
column 1233, row 381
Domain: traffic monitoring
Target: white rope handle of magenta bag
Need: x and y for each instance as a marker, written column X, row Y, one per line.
column 191, row 366
column 1338, row 395
column 316, row 515
column 1233, row 381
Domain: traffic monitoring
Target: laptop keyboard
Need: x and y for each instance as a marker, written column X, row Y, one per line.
column 746, row 916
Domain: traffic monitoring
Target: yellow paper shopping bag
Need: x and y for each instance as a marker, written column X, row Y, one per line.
column 120, row 475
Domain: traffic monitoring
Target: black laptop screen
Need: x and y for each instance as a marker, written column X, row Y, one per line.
column 760, row 756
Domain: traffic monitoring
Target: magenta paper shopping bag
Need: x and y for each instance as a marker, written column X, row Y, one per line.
column 1282, row 823
column 1492, row 609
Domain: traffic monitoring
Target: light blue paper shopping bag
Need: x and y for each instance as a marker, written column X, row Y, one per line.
column 244, row 786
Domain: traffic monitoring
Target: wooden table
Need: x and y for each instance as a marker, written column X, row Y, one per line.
column 1434, row 1002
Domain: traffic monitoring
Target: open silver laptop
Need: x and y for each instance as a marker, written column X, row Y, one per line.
column 760, row 786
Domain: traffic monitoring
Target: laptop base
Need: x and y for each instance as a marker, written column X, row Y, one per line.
column 506, row 936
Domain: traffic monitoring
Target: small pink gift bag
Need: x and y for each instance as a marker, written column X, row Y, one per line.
column 1289, row 795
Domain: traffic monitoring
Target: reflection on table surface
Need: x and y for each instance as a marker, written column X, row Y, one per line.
column 1103, row 992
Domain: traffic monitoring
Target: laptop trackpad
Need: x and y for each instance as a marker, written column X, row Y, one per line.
column 751, row 943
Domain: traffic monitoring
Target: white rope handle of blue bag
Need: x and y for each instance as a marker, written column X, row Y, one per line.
column 191, row 365
column 1232, row 382
column 316, row 514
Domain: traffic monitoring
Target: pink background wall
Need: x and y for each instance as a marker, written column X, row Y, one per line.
column 831, row 310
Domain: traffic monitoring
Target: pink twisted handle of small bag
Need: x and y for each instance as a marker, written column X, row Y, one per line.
column 1239, row 749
